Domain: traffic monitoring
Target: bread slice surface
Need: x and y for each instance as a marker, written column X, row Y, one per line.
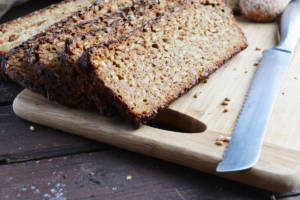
column 149, row 69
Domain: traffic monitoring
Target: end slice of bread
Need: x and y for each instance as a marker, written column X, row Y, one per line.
column 146, row 71
column 15, row 32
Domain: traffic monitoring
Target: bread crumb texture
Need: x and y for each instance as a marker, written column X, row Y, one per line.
column 153, row 67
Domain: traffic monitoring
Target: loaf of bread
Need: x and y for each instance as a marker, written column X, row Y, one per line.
column 137, row 58
column 145, row 71
column 18, row 62
column 15, row 32
column 56, row 78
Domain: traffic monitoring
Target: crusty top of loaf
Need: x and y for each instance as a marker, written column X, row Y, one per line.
column 19, row 30
column 151, row 68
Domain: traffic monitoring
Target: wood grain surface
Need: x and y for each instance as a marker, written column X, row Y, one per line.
column 115, row 175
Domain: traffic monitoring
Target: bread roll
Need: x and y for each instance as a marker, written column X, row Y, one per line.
column 262, row 10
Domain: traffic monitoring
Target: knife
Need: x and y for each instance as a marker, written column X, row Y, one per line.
column 247, row 137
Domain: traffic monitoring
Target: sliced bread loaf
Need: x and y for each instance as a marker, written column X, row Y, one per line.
column 15, row 32
column 62, row 83
column 16, row 56
column 147, row 70
column 18, row 66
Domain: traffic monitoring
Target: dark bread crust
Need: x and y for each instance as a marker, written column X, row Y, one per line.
column 121, row 106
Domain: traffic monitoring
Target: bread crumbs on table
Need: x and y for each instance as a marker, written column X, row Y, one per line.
column 257, row 49
column 32, row 128
column 195, row 96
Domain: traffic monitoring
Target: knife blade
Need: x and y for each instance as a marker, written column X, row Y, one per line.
column 245, row 145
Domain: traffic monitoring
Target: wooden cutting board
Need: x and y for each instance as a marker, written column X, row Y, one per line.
column 278, row 168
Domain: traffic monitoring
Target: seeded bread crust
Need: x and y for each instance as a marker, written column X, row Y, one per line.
column 96, row 60
column 15, row 32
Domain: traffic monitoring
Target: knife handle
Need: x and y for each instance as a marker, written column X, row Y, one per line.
column 290, row 27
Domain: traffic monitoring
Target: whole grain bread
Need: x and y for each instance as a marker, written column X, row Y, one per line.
column 15, row 32
column 148, row 69
column 141, row 62
column 44, row 60
column 16, row 56
column 17, row 62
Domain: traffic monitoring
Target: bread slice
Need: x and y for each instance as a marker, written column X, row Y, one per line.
column 15, row 32
column 17, row 65
column 144, row 72
column 44, row 59
column 98, row 8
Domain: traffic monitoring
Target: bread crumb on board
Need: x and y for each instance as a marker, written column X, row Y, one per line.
column 227, row 139
column 257, row 49
column 225, row 110
column 224, row 103
column 222, row 139
column 256, row 64
column 219, row 142
column 196, row 96
column 32, row 128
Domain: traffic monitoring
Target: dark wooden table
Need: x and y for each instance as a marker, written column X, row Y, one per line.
column 52, row 165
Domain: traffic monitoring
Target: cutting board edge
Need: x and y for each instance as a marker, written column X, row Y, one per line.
column 280, row 182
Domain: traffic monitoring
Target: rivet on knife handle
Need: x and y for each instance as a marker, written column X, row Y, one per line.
column 247, row 138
